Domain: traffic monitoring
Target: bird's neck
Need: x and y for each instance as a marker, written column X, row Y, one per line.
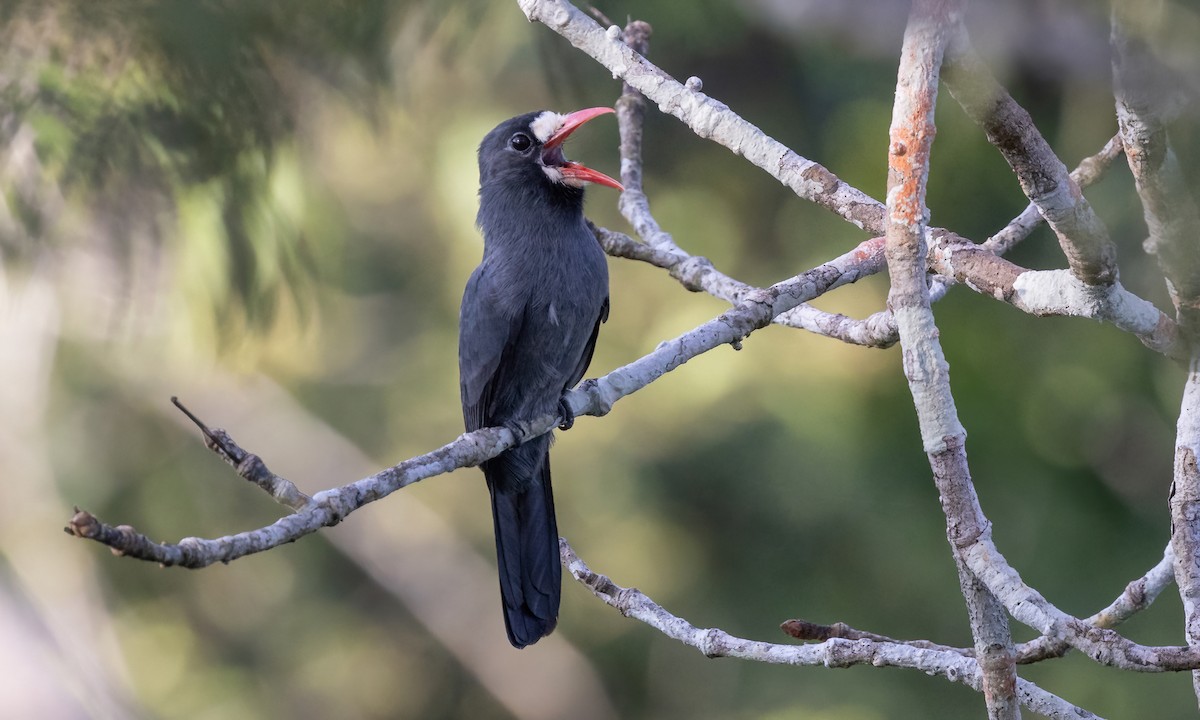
column 512, row 215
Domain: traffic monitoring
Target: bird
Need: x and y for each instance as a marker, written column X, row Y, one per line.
column 530, row 316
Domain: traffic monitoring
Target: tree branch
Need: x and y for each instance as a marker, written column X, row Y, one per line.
column 833, row 653
column 696, row 273
column 707, row 117
column 1043, row 177
column 1138, row 595
column 1055, row 292
column 1170, row 211
column 322, row 510
column 593, row 397
column 911, row 139
column 1089, row 170
column 717, row 122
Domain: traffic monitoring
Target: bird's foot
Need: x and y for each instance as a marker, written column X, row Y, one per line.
column 566, row 413
column 518, row 430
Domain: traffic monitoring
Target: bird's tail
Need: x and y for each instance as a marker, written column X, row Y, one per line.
column 526, row 542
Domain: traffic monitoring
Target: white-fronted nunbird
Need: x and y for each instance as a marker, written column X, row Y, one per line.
column 530, row 316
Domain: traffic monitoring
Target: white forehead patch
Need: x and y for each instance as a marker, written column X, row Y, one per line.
column 546, row 124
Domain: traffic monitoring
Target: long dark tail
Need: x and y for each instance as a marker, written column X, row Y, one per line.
column 526, row 541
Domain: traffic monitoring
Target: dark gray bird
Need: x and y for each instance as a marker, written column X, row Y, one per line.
column 530, row 316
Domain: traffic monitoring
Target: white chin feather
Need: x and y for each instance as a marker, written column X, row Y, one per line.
column 546, row 124
column 556, row 175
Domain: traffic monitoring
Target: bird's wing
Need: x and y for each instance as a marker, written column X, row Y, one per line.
column 485, row 336
column 585, row 358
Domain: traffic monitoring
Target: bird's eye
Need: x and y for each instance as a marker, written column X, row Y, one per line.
column 520, row 142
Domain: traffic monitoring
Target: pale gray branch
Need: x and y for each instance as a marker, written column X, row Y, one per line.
column 1185, row 508
column 1089, row 170
column 593, row 397
column 930, row 23
column 707, row 117
column 1043, row 177
column 1055, row 292
column 694, row 272
column 1173, row 221
column 1142, row 98
column 833, row 653
column 1138, row 595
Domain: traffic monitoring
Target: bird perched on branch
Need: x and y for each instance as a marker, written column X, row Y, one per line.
column 530, row 316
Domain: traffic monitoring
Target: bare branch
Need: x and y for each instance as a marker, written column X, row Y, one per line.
column 1138, row 596
column 1185, row 508
column 726, row 127
column 1169, row 209
column 707, row 117
column 593, row 397
column 835, row 652
column 1174, row 223
column 805, row 630
column 1089, row 170
column 693, row 272
column 911, row 138
column 248, row 465
column 1054, row 292
column 1043, row 177
column 324, row 509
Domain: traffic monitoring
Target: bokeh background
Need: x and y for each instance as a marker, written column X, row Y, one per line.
column 267, row 209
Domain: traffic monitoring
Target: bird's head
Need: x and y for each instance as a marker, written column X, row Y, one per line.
column 528, row 149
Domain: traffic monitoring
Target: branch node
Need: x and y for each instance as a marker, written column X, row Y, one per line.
column 83, row 524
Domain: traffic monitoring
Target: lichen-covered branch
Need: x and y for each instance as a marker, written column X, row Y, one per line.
column 1043, row 177
column 1185, row 508
column 1170, row 211
column 1173, row 222
column 1089, row 170
column 911, row 139
column 1137, row 596
column 707, row 117
column 322, row 510
column 834, row 652
column 696, row 273
column 1055, row 292
column 594, row 397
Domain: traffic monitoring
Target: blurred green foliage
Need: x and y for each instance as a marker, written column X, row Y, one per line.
column 288, row 190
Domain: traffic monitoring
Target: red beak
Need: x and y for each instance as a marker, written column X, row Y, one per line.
column 574, row 170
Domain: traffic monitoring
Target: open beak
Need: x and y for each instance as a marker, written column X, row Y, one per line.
column 552, row 150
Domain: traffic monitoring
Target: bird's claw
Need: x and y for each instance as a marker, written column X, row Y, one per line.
column 567, row 415
column 517, row 430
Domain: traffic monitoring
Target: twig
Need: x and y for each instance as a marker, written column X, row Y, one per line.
column 805, row 630
column 324, row 509
column 248, row 465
